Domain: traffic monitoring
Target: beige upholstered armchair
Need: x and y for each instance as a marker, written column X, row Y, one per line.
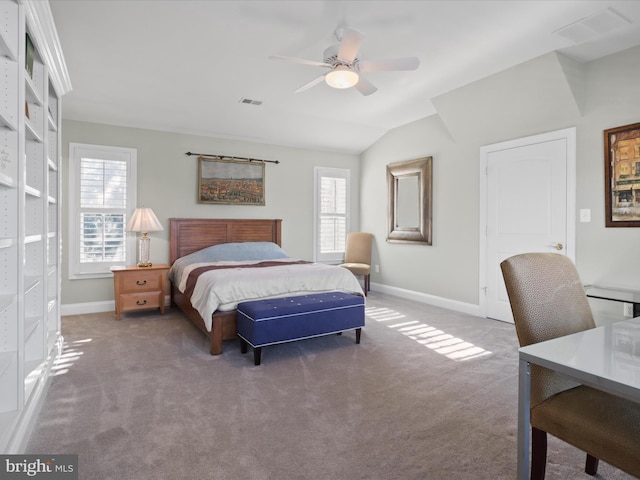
column 548, row 301
column 357, row 256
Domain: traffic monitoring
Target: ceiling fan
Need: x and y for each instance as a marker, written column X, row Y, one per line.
column 345, row 68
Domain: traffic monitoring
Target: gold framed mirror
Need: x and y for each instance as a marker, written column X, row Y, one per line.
column 409, row 211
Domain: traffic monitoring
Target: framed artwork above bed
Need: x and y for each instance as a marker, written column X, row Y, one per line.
column 228, row 181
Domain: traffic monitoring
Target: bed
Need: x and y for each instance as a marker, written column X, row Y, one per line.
column 189, row 237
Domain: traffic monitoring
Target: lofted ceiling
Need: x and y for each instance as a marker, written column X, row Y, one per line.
column 201, row 66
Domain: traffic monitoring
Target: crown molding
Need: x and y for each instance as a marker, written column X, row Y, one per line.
column 45, row 36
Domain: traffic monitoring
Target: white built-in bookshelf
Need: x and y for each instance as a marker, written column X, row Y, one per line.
column 30, row 185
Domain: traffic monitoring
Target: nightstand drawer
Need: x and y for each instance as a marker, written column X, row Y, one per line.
column 140, row 301
column 141, row 281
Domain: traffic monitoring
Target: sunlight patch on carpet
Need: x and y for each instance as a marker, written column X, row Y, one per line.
column 437, row 340
column 382, row 314
column 70, row 354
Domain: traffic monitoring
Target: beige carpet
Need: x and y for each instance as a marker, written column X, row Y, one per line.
column 428, row 394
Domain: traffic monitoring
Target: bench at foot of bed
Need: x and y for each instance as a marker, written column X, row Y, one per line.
column 278, row 320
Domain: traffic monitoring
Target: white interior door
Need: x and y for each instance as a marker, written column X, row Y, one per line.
column 528, row 193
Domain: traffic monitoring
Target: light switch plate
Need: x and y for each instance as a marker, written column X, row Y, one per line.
column 585, row 215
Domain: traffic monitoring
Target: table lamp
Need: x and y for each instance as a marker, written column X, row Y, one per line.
column 144, row 220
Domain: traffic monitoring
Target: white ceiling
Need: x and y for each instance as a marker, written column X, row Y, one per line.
column 184, row 65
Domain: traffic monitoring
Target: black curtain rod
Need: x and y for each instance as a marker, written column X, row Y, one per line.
column 233, row 158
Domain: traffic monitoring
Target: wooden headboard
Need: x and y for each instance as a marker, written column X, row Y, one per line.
column 188, row 235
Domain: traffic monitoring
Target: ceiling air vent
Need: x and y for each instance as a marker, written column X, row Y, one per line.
column 249, row 101
column 593, row 26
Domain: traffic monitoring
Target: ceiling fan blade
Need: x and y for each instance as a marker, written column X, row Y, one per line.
column 406, row 63
column 310, row 84
column 299, row 60
column 364, row 86
column 349, row 45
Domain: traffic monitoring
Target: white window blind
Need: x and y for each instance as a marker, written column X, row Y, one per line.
column 102, row 183
column 103, row 201
column 332, row 213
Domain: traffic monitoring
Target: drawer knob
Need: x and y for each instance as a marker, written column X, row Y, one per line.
column 138, row 282
column 144, row 302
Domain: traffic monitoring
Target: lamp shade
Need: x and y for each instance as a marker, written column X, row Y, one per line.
column 143, row 220
column 341, row 77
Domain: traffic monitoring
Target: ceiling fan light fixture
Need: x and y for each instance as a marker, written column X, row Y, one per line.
column 341, row 77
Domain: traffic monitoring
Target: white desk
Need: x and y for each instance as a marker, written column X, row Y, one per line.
column 607, row 358
column 615, row 295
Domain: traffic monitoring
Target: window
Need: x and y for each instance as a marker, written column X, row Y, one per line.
column 102, row 192
column 331, row 214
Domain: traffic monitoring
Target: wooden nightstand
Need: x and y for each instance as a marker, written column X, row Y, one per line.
column 139, row 288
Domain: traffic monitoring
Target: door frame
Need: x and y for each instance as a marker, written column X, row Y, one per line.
column 568, row 134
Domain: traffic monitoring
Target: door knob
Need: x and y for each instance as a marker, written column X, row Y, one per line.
column 557, row 246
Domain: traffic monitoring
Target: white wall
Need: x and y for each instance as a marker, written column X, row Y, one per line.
column 612, row 99
column 167, row 182
column 544, row 94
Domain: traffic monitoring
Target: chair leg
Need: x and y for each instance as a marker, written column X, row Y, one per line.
column 367, row 284
column 591, row 466
column 538, row 453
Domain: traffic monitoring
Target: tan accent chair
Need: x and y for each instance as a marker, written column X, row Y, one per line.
column 548, row 301
column 357, row 256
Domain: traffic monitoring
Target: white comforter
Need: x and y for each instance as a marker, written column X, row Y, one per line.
column 223, row 289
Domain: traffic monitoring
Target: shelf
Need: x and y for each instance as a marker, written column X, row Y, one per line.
column 52, row 124
column 52, row 165
column 30, row 326
column 31, row 91
column 7, row 181
column 7, row 50
column 7, row 242
column 52, row 200
column 7, row 122
column 30, row 282
column 6, row 301
column 6, row 359
column 32, row 134
column 32, row 238
column 33, row 192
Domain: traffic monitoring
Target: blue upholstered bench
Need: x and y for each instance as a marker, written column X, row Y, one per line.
column 278, row 320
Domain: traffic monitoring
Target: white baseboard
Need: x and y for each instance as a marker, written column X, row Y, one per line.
column 90, row 307
column 95, row 307
column 468, row 308
column 454, row 305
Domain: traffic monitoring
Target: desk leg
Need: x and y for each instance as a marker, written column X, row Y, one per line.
column 524, row 402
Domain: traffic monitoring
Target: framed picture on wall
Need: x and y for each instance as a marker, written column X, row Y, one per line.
column 228, row 181
column 622, row 176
